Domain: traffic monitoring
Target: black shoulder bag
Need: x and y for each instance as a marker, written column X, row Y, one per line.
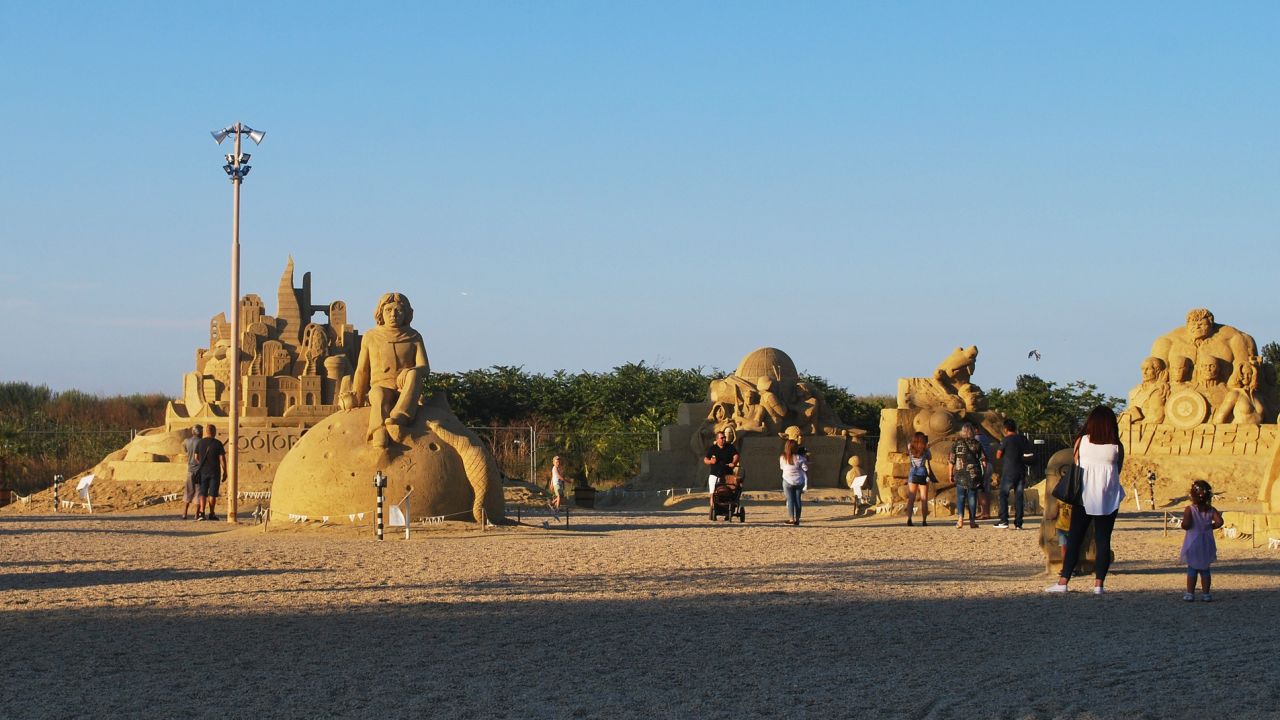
column 1070, row 487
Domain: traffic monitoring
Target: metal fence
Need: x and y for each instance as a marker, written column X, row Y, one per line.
column 525, row 453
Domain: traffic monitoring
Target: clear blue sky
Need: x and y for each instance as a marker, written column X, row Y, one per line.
column 580, row 185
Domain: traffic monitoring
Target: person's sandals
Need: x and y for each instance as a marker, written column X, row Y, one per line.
column 1188, row 597
column 1206, row 597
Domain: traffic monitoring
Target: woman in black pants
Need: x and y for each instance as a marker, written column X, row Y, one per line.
column 1100, row 456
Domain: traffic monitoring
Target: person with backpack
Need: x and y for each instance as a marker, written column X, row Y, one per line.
column 966, row 464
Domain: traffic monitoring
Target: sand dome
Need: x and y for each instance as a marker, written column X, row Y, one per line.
column 767, row 362
column 329, row 472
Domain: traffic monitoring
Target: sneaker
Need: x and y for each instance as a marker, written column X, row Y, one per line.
column 1188, row 597
column 924, row 523
column 909, row 523
column 1206, row 597
column 1001, row 526
column 1097, row 589
column 1056, row 588
column 1017, row 527
column 212, row 517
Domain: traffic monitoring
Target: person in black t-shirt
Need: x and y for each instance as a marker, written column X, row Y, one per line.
column 211, row 457
column 722, row 458
column 1015, row 455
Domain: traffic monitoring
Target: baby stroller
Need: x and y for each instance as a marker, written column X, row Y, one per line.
column 727, row 500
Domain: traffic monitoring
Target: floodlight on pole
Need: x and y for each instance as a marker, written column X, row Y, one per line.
column 237, row 168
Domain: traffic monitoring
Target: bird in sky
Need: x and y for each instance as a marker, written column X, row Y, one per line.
column 1034, row 354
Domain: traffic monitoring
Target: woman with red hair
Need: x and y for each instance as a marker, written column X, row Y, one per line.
column 1100, row 456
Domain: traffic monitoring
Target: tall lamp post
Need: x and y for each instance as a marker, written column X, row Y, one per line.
column 236, row 168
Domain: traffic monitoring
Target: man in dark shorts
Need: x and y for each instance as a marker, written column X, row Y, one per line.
column 212, row 458
column 722, row 457
column 1015, row 455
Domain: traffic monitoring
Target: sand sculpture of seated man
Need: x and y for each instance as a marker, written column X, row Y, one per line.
column 1187, row 347
column 391, row 370
column 751, row 415
column 1147, row 401
column 1241, row 405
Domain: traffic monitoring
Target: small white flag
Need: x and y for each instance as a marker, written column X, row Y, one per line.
column 352, row 518
column 360, row 515
column 396, row 517
column 82, row 487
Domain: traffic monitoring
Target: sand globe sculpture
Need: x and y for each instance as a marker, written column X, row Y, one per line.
column 387, row 427
column 757, row 405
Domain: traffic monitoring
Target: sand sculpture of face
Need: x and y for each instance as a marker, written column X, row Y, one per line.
column 1207, row 371
column 1199, row 324
column 393, row 310
column 1247, row 376
column 1153, row 370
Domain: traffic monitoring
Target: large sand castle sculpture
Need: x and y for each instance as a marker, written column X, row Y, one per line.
column 328, row 473
column 1204, row 409
column 936, row 406
column 756, row 405
column 294, row 372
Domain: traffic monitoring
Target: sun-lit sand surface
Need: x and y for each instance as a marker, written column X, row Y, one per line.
column 623, row 615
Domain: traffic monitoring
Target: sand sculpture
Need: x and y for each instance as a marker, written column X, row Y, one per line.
column 328, row 473
column 762, row 401
column 391, row 369
column 1205, row 408
column 294, row 372
column 936, row 405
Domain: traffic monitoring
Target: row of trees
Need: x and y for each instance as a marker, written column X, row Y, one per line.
column 43, row 433
column 600, row 421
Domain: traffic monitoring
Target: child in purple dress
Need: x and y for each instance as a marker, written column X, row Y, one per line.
column 1199, row 549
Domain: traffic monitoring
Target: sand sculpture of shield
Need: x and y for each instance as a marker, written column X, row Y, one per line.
column 1186, row 408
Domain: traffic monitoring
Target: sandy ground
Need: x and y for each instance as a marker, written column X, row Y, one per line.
column 623, row 615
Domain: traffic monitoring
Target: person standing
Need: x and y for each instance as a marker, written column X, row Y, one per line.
column 211, row 457
column 1199, row 549
column 1015, row 456
column 965, row 466
column 191, row 491
column 988, row 465
column 721, row 458
column 919, row 475
column 795, row 478
column 1100, row 456
column 557, row 485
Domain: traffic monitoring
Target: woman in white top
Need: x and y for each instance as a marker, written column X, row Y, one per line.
column 1100, row 456
column 795, row 478
column 557, row 483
